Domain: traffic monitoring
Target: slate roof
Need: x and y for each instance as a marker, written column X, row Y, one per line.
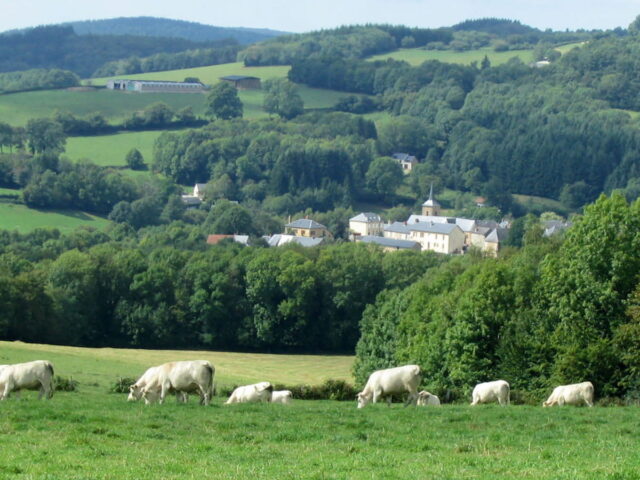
column 404, row 157
column 443, row 228
column 497, row 235
column 191, row 200
column 305, row 223
column 388, row 242
column 280, row 239
column 465, row 224
column 367, row 217
column 397, row 227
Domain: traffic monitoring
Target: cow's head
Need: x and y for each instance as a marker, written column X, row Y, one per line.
column 363, row 399
column 135, row 393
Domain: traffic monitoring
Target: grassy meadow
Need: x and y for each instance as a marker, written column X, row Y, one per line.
column 93, row 434
column 417, row 56
column 111, row 150
column 24, row 219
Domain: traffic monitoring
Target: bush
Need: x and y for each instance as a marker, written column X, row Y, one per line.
column 329, row 390
column 61, row 384
column 122, row 385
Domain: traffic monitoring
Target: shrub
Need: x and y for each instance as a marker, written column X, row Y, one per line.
column 122, row 385
column 61, row 384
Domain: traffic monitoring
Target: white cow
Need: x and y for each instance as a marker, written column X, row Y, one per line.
column 575, row 394
column 497, row 391
column 36, row 375
column 425, row 398
column 258, row 392
column 148, row 377
column 384, row 383
column 281, row 396
column 191, row 376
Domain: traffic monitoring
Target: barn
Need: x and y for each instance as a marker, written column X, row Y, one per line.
column 151, row 86
column 242, row 82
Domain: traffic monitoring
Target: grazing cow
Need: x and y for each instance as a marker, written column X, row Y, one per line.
column 575, row 394
column 36, row 375
column 135, row 390
column 281, row 396
column 384, row 383
column 191, row 376
column 425, row 398
column 258, row 392
column 488, row 392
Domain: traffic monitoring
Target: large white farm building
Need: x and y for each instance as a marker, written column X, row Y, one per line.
column 152, row 86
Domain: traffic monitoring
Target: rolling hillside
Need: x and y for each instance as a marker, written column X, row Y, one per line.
column 164, row 27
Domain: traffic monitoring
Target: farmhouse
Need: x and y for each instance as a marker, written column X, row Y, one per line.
column 304, row 227
column 366, row 224
column 242, row 82
column 406, row 161
column 151, row 86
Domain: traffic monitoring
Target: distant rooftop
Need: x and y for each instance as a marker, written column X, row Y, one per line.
column 367, row 217
column 305, row 223
column 388, row 242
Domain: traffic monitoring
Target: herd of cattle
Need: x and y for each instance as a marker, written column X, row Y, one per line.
column 196, row 376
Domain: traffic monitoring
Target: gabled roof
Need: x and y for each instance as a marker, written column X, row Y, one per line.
column 404, row 157
column 280, row 239
column 497, row 235
column 397, row 227
column 465, row 224
column 443, row 228
column 367, row 217
column 388, row 242
column 305, row 223
column 200, row 186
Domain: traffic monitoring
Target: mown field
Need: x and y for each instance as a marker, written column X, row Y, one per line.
column 417, row 56
column 24, row 219
column 111, row 150
column 97, row 435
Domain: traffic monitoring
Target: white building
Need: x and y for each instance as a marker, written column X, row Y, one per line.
column 441, row 237
column 366, row 224
column 152, row 86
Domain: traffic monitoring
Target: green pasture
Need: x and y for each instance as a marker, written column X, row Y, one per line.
column 542, row 202
column 102, row 366
column 94, row 434
column 111, row 150
column 207, row 75
column 417, row 56
column 568, row 47
column 17, row 109
column 25, row 219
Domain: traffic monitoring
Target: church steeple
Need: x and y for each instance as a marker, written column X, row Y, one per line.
column 431, row 207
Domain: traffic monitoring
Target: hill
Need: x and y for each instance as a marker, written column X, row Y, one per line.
column 496, row 26
column 164, row 27
column 61, row 47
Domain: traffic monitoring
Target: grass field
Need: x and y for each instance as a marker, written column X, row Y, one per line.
column 531, row 201
column 416, row 56
column 97, row 435
column 24, row 219
column 111, row 150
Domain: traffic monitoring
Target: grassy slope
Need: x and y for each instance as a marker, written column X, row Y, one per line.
column 24, row 219
column 104, row 365
column 110, row 150
column 416, row 56
column 92, row 434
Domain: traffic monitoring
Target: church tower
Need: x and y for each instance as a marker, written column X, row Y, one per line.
column 431, row 207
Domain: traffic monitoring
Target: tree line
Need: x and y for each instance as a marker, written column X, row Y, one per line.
column 557, row 311
column 164, row 287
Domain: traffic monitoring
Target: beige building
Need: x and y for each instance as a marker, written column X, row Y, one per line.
column 437, row 237
column 366, row 224
column 307, row 228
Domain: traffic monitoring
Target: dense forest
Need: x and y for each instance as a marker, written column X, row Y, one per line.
column 60, row 47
